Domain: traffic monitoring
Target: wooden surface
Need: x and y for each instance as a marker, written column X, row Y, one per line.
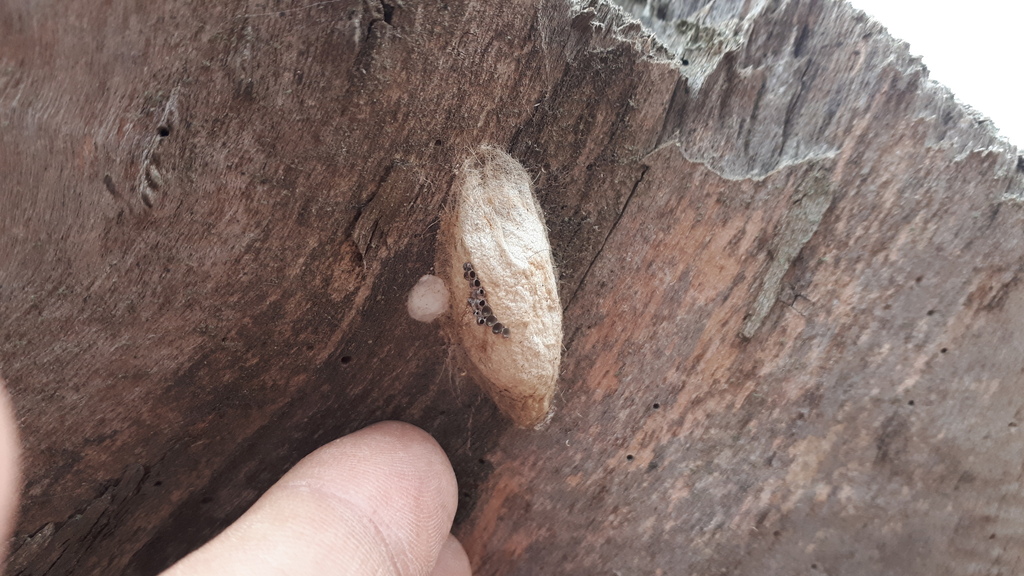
column 790, row 269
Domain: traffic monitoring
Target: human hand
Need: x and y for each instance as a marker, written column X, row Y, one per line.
column 9, row 480
column 377, row 502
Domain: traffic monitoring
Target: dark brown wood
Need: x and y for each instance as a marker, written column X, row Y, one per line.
column 790, row 268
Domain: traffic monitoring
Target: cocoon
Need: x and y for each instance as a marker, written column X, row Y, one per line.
column 428, row 299
column 496, row 259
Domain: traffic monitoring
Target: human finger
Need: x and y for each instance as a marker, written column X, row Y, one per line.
column 379, row 501
column 9, row 477
column 452, row 560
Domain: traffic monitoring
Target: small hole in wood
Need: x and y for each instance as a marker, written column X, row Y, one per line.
column 931, row 312
column 629, row 457
column 992, row 537
column 1012, row 424
column 910, row 403
column 656, row 406
column 346, row 359
column 776, row 533
column 109, row 183
column 206, row 499
column 918, row 279
column 158, row 483
column 438, row 143
column 163, row 131
column 944, row 350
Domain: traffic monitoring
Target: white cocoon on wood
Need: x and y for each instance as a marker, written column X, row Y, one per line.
column 428, row 299
column 497, row 226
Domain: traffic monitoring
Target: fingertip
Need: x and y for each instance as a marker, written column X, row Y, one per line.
column 379, row 501
column 452, row 560
column 404, row 439
column 9, row 474
column 401, row 457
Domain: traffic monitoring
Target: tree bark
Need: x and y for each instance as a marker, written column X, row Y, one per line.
column 789, row 267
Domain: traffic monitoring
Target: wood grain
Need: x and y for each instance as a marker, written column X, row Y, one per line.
column 789, row 265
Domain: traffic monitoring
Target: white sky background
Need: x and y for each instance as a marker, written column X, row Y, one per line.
column 975, row 48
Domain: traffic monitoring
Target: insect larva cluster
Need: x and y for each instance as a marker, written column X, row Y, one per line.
column 478, row 303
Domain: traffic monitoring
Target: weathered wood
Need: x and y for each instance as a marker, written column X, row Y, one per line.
column 790, row 270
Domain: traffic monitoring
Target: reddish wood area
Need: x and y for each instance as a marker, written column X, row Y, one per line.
column 789, row 264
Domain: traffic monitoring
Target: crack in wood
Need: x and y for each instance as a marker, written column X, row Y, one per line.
column 150, row 179
column 52, row 550
column 363, row 231
column 611, row 230
column 795, row 230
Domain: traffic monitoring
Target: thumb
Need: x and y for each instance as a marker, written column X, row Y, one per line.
column 379, row 501
column 9, row 481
